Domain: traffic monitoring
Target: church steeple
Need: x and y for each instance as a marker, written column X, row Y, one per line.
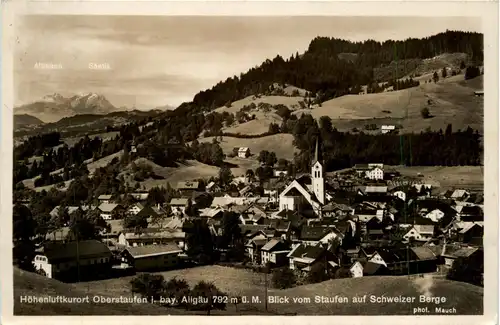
column 318, row 182
column 316, row 153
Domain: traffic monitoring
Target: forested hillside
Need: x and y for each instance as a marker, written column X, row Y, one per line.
column 324, row 72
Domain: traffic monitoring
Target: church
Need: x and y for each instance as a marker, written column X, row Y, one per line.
column 305, row 197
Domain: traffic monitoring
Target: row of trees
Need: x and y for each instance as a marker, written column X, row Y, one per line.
column 178, row 293
column 343, row 149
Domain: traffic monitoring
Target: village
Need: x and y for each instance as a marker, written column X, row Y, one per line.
column 364, row 221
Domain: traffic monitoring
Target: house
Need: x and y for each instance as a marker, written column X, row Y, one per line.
column 375, row 174
column 375, row 269
column 212, row 213
column 364, row 214
column 451, row 253
column 401, row 261
column 306, row 197
column 387, row 128
column 225, row 201
column 135, row 208
column 151, row 236
column 64, row 261
column 471, row 213
column 400, row 194
column 187, row 188
column 420, row 233
column 104, row 198
column 243, row 152
column 178, row 205
column 137, row 196
column 275, row 252
column 303, row 257
column 152, row 257
column 435, row 215
column 471, row 233
column 254, row 246
column 71, row 209
column 212, row 187
column 318, row 235
column 339, row 210
column 460, row 195
column 251, row 214
column 111, row 210
column 280, row 173
column 150, row 212
column 356, row 270
column 479, row 93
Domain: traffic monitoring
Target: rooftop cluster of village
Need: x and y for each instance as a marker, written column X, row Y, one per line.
column 365, row 221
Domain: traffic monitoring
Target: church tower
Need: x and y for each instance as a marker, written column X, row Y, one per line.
column 318, row 181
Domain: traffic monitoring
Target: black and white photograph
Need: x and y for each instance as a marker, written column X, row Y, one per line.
column 249, row 165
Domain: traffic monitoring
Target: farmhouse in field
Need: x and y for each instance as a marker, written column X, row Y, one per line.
column 243, row 152
column 387, row 128
column 61, row 260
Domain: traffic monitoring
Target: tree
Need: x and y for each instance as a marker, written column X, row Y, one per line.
column 225, row 176
column 148, row 285
column 462, row 65
column 177, row 288
column 23, row 226
column 231, row 231
column 84, row 227
column 271, row 159
column 135, row 221
column 435, row 77
column 199, row 241
column 444, row 73
column 283, row 278
column 465, row 271
column 250, row 175
column 214, row 298
column 472, row 72
column 425, row 113
column 317, row 273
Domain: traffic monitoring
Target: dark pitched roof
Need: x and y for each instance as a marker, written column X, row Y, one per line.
column 69, row 251
column 308, row 251
column 314, row 233
column 152, row 250
column 371, row 268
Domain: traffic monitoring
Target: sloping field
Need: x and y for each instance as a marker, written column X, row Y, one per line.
column 451, row 60
column 291, row 102
column 29, row 284
column 104, row 136
column 188, row 170
column 466, row 298
column 230, row 280
column 450, row 101
column 281, row 144
column 258, row 126
column 470, row 177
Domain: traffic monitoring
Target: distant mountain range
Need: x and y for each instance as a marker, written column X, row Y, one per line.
column 54, row 107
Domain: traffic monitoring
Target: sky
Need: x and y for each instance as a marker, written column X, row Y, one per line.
column 153, row 61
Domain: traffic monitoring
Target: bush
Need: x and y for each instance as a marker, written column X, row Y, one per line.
column 149, row 285
column 177, row 289
column 472, row 72
column 317, row 274
column 214, row 297
column 425, row 112
column 283, row 278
